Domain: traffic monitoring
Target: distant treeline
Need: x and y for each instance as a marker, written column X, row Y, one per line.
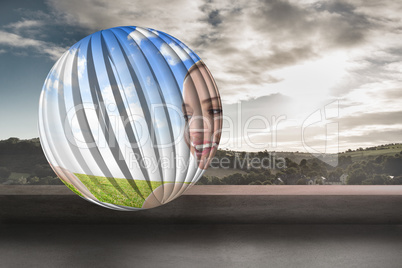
column 23, row 162
column 381, row 165
column 380, row 170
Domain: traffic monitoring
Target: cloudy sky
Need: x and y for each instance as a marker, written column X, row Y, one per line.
column 316, row 76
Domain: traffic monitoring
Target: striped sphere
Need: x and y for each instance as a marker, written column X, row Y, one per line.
column 129, row 118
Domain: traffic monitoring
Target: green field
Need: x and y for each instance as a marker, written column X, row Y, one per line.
column 72, row 188
column 123, row 192
column 222, row 172
column 379, row 150
column 118, row 191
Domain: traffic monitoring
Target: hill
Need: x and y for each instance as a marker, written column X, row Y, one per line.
column 372, row 152
column 23, row 162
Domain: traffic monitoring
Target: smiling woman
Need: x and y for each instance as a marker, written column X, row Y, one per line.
column 202, row 110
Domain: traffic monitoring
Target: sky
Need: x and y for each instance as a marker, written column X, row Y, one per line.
column 311, row 76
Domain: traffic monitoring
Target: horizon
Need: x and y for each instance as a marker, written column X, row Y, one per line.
column 315, row 76
column 356, row 149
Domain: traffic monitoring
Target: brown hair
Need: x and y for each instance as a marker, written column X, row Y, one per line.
column 196, row 65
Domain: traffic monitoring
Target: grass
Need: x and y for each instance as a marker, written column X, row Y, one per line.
column 380, row 150
column 72, row 188
column 118, row 191
column 222, row 172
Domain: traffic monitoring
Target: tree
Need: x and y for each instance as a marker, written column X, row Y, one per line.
column 203, row 180
column 43, row 171
column 312, row 174
column 393, row 165
column 251, row 177
column 303, row 162
column 396, row 180
column 370, row 167
column 345, row 161
column 292, row 171
column 290, row 163
column 216, row 181
column 33, row 180
column 335, row 175
column 356, row 177
column 267, row 173
column 13, row 140
column 54, row 181
column 379, row 159
column 368, row 182
column 301, row 182
column 19, row 181
column 379, row 179
column 233, row 179
column 4, row 173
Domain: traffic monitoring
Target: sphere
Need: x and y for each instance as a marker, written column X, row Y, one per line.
column 129, row 118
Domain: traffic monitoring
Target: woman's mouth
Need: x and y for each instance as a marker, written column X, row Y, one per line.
column 204, row 148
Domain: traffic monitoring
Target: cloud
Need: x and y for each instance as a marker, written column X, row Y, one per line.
column 24, row 24
column 52, row 84
column 243, row 42
column 16, row 41
column 137, row 36
column 173, row 53
column 369, row 119
column 96, row 15
column 82, row 65
column 373, row 137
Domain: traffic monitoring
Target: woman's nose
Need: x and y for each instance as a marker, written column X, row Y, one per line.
column 200, row 124
column 197, row 136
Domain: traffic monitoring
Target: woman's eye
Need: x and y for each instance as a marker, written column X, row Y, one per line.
column 187, row 117
column 215, row 111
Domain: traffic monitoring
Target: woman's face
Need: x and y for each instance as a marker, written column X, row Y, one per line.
column 202, row 111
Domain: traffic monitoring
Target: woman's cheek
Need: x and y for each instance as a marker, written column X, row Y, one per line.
column 217, row 133
column 186, row 135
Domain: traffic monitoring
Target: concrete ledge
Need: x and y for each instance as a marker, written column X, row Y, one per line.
column 215, row 205
column 231, row 190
